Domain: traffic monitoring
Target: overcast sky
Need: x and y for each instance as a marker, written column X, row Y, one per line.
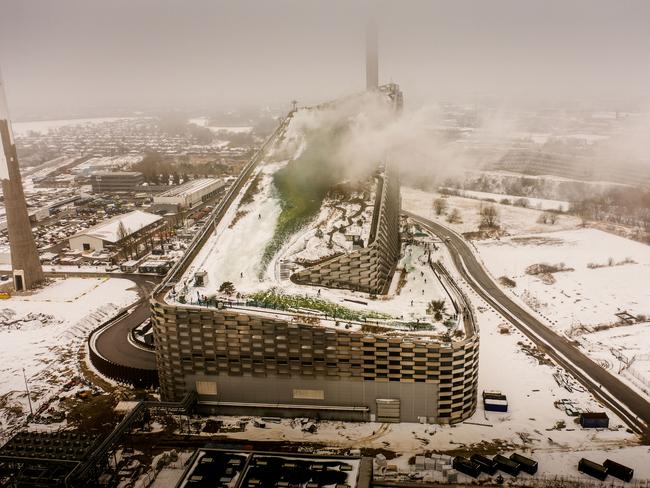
column 61, row 57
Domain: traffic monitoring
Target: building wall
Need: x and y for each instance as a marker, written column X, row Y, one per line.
column 77, row 242
column 190, row 199
column 115, row 182
column 253, row 358
column 369, row 269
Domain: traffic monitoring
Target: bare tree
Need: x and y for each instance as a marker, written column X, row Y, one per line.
column 123, row 240
column 454, row 217
column 439, row 206
column 489, row 217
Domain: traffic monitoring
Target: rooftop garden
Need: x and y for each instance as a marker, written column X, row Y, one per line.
column 276, row 299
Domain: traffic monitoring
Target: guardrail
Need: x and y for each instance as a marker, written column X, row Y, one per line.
column 138, row 377
column 463, row 309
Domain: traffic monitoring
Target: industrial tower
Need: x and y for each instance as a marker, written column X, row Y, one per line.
column 372, row 62
column 25, row 263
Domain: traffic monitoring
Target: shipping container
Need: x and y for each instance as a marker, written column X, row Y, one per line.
column 494, row 401
column 486, row 464
column 466, row 466
column 527, row 465
column 594, row 420
column 592, row 469
column 618, row 470
column 507, row 465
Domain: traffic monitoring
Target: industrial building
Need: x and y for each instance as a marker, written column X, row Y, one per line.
column 252, row 361
column 187, row 195
column 116, row 181
column 111, row 232
column 246, row 469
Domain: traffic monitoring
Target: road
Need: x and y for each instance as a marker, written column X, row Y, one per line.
column 113, row 342
column 611, row 391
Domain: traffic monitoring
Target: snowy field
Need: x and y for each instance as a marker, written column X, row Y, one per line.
column 535, row 203
column 605, row 275
column 44, row 126
column 586, row 296
column 513, row 220
column 234, row 129
column 624, row 350
column 42, row 331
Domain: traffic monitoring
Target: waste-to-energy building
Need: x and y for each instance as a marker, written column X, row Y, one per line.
column 248, row 360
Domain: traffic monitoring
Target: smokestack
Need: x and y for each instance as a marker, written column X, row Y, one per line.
column 25, row 263
column 372, row 62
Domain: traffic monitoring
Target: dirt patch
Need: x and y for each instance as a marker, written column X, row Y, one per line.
column 535, row 352
column 484, row 234
column 537, row 241
column 544, row 271
column 495, row 446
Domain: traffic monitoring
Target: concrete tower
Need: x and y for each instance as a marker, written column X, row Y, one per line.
column 25, row 262
column 372, row 62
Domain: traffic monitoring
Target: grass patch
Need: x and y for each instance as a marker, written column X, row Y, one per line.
column 302, row 185
column 274, row 298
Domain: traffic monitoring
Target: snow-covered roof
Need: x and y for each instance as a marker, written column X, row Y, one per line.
column 189, row 188
column 132, row 221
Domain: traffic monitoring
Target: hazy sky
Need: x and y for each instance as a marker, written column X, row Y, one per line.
column 61, row 57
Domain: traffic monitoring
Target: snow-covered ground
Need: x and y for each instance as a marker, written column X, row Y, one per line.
column 44, row 126
column 607, row 276
column 513, row 220
column 585, row 296
column 533, row 424
column 42, row 331
column 536, row 203
column 235, row 129
column 106, row 163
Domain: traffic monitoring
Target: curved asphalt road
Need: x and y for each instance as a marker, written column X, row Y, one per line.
column 113, row 342
column 628, row 404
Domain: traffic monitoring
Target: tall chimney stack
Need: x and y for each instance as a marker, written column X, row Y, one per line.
column 372, row 62
column 25, row 263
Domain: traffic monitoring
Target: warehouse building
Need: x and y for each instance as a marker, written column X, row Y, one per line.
column 111, row 232
column 116, row 181
column 187, row 195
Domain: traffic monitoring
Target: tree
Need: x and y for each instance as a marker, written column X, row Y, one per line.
column 439, row 206
column 454, row 217
column 436, row 308
column 547, row 218
column 124, row 240
column 489, row 217
column 227, row 287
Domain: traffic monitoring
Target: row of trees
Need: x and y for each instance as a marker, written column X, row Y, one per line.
column 132, row 245
column 440, row 208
